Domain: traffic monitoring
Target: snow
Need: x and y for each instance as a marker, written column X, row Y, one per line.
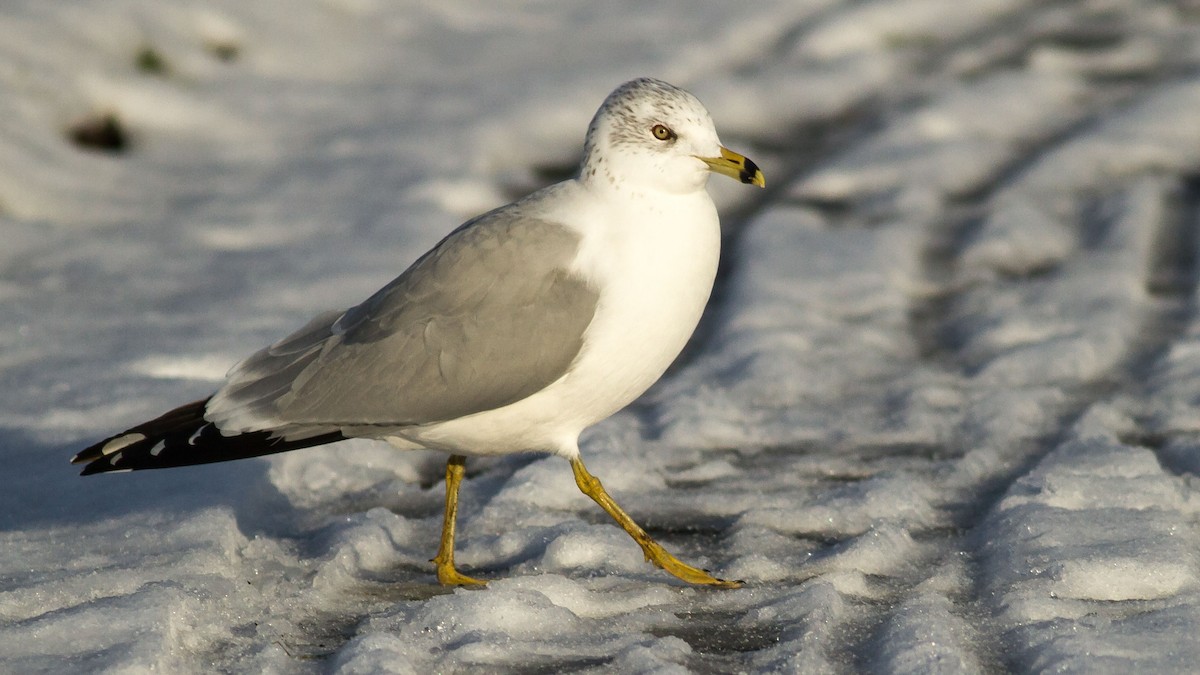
column 940, row 417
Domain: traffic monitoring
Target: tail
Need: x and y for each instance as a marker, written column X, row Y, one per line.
column 182, row 437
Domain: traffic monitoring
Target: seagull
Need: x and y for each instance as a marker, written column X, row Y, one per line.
column 520, row 329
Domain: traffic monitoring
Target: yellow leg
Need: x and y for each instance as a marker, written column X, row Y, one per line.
column 447, row 575
column 590, row 486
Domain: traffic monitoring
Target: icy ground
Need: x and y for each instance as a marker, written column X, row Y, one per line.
column 943, row 415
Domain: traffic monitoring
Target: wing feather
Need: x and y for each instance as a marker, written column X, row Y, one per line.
column 488, row 317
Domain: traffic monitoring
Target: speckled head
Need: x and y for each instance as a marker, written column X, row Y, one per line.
column 652, row 136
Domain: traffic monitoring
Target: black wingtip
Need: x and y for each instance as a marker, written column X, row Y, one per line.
column 107, row 455
column 96, row 467
column 182, row 437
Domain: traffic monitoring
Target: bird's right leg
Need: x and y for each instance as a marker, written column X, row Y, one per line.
column 655, row 553
column 447, row 575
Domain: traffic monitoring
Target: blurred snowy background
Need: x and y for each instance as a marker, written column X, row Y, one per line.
column 942, row 416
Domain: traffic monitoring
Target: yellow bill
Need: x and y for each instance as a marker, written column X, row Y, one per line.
column 736, row 166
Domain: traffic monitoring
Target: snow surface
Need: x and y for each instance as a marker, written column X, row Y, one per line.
column 942, row 416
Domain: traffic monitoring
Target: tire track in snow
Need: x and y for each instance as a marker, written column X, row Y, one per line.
column 814, row 144
column 947, row 243
column 1164, row 214
column 879, row 621
column 1169, row 277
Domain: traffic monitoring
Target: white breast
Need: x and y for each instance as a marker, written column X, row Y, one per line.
column 654, row 264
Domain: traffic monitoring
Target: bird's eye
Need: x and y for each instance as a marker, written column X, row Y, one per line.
column 662, row 133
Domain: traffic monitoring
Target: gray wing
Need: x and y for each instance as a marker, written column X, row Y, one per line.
column 488, row 317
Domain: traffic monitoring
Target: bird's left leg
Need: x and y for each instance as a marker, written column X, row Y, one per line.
column 447, row 575
column 590, row 486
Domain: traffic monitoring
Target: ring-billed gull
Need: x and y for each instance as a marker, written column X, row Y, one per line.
column 523, row 327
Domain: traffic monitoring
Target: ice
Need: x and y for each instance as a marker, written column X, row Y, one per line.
column 941, row 416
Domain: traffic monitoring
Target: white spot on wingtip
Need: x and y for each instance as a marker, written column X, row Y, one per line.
column 339, row 328
column 121, row 442
column 192, row 439
column 158, row 447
